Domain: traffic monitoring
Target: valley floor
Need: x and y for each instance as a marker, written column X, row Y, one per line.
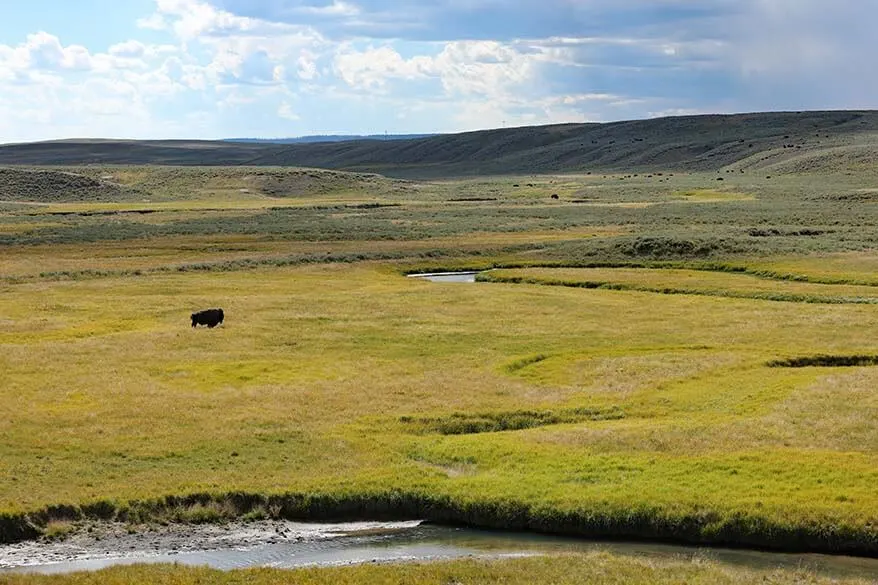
column 622, row 370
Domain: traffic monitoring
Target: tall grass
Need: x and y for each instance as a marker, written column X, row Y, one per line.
column 596, row 568
column 740, row 529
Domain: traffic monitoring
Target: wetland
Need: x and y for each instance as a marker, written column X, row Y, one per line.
column 695, row 371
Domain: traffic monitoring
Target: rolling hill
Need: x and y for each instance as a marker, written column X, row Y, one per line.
column 328, row 138
column 785, row 142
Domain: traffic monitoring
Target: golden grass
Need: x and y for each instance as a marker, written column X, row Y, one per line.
column 597, row 568
column 713, row 196
column 169, row 252
column 317, row 380
column 840, row 266
column 694, row 281
column 23, row 227
column 109, row 394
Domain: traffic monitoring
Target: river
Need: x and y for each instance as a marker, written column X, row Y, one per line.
column 281, row 544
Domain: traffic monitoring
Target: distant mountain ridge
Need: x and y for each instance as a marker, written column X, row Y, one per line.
column 771, row 142
column 316, row 138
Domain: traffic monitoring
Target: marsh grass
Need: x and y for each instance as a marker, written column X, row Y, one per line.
column 302, row 389
column 704, row 281
column 460, row 423
column 114, row 408
column 58, row 529
column 598, row 568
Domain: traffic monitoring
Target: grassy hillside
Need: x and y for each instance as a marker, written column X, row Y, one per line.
column 43, row 186
column 139, row 184
column 767, row 143
column 83, row 152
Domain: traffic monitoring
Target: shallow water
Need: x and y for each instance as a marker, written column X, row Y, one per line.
column 447, row 276
column 290, row 545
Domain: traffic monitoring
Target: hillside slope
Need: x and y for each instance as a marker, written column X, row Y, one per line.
column 51, row 186
column 776, row 142
column 92, row 184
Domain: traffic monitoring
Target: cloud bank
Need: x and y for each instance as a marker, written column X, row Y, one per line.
column 219, row 68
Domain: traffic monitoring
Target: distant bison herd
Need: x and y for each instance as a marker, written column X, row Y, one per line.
column 209, row 317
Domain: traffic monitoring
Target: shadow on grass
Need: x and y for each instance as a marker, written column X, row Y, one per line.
column 826, row 361
column 460, row 423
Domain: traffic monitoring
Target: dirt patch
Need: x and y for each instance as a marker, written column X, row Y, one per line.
column 104, row 541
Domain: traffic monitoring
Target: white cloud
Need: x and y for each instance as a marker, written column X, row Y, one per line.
column 337, row 8
column 307, row 65
column 128, row 49
column 372, row 68
column 154, row 21
column 463, row 68
column 484, row 67
column 468, row 64
column 44, row 51
column 286, row 112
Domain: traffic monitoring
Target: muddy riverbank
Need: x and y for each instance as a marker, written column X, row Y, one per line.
column 283, row 544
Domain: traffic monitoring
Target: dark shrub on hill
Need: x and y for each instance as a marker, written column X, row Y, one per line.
column 667, row 247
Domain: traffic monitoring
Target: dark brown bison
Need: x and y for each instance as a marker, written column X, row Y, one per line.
column 209, row 317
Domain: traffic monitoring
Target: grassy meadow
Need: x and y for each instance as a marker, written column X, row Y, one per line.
column 639, row 399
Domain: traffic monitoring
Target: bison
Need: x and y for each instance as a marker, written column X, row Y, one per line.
column 209, row 317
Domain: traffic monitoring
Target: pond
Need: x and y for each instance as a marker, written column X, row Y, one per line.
column 447, row 276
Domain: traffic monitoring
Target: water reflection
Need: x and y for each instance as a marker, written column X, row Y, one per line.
column 447, row 276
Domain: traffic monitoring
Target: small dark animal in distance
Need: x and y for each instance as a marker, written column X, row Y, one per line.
column 209, row 317
column 554, row 196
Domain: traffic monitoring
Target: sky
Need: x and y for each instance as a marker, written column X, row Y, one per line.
column 153, row 69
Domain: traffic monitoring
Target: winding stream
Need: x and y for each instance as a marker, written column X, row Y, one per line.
column 290, row 545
